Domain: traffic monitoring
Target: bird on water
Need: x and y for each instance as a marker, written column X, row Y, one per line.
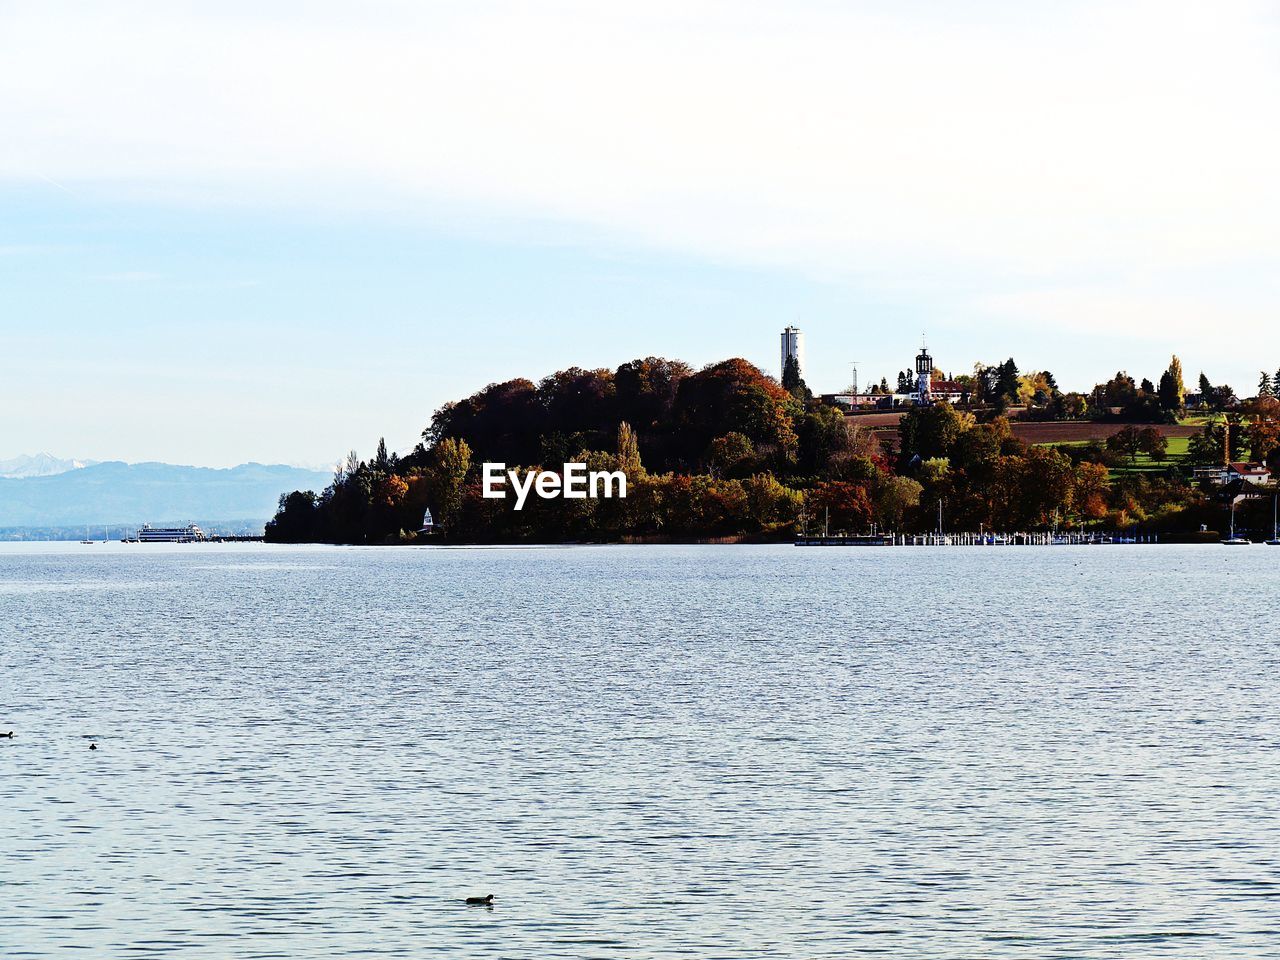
column 9, row 734
column 93, row 746
column 480, row 901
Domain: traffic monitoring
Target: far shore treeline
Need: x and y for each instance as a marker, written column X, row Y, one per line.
column 728, row 452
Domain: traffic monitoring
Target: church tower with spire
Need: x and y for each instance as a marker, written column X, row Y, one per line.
column 924, row 377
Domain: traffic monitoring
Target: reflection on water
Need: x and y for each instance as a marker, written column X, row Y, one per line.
column 642, row 752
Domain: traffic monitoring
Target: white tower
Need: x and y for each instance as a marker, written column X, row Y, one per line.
column 792, row 346
column 924, row 377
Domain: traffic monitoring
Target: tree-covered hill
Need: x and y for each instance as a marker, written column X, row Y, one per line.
column 727, row 451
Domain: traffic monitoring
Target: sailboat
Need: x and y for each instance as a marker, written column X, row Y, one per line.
column 1233, row 540
column 1275, row 523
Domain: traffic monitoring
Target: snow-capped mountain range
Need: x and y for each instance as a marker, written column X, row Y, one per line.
column 40, row 465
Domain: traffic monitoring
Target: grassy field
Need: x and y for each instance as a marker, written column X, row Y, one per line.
column 1177, row 436
column 1198, row 420
column 1175, row 456
column 1077, row 433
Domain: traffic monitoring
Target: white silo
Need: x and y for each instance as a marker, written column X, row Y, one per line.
column 792, row 346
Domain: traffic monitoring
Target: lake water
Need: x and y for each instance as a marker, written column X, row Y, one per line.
column 711, row 752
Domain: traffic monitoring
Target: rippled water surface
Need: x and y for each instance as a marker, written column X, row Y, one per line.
column 715, row 752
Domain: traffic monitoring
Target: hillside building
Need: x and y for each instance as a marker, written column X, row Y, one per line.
column 923, row 393
column 1248, row 472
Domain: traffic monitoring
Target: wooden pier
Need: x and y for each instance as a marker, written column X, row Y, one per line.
column 1020, row 539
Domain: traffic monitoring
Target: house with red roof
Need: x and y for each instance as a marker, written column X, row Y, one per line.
column 1248, row 472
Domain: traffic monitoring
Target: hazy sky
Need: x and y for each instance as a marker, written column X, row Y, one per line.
column 232, row 234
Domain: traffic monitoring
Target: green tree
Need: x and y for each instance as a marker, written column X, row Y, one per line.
column 1068, row 406
column 1119, row 391
column 1043, row 483
column 1127, row 441
column 769, row 502
column 927, row 432
column 731, row 454
column 1206, row 447
column 824, row 438
column 1224, row 397
column 791, row 374
column 1007, row 382
column 296, row 520
column 1172, row 392
column 894, row 497
column 449, row 465
column 1153, row 444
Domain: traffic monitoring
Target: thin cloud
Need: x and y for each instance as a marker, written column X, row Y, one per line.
column 126, row 276
column 1059, row 154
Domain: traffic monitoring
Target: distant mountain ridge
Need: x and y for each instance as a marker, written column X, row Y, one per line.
column 114, row 492
column 40, row 465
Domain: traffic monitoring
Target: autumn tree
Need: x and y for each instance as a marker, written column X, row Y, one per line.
column 628, row 448
column 843, row 506
column 1089, row 491
column 1263, row 425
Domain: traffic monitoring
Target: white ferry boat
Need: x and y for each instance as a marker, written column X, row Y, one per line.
column 188, row 534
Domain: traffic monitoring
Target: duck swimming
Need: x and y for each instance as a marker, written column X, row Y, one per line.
column 93, row 746
column 9, row 734
column 480, row 901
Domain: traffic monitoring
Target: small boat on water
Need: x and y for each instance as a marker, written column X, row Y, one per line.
column 1233, row 540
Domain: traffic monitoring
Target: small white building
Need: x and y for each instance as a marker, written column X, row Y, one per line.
column 947, row 390
column 857, row 401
